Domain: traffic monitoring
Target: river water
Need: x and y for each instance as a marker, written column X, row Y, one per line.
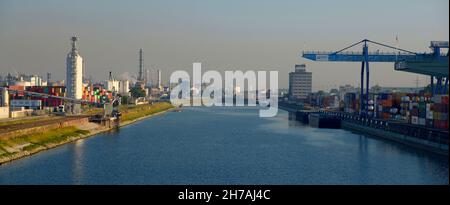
column 228, row 145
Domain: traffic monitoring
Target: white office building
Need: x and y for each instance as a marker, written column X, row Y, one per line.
column 300, row 83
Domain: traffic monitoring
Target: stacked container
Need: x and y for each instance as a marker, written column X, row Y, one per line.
column 384, row 105
column 350, row 103
column 405, row 108
column 411, row 108
column 327, row 101
column 50, row 90
column 440, row 111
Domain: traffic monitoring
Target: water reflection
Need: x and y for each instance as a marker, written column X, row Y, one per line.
column 77, row 161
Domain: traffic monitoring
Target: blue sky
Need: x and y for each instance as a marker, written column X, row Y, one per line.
column 223, row 35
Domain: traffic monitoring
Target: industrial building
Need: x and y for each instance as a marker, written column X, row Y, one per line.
column 124, row 87
column 300, row 83
column 74, row 79
column 154, row 78
column 112, row 84
column 119, row 86
column 23, row 80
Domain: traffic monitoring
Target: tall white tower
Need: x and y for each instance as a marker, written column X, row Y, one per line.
column 158, row 73
column 74, row 80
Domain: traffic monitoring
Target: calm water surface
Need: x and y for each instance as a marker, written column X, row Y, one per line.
column 228, row 146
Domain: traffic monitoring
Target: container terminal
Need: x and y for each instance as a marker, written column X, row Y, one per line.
column 415, row 118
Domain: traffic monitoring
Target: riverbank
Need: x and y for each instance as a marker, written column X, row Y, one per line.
column 17, row 146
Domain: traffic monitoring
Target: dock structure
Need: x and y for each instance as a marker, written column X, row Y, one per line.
column 431, row 139
column 435, row 140
column 320, row 120
column 109, row 122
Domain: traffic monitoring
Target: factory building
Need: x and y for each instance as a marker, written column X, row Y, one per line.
column 121, row 87
column 300, row 83
column 112, row 85
column 154, row 78
column 124, row 87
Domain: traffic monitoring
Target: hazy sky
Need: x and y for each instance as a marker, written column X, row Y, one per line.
column 222, row 34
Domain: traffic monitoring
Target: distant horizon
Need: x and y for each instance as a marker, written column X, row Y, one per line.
column 223, row 35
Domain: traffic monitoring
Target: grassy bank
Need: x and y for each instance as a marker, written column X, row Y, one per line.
column 12, row 148
column 38, row 141
column 130, row 113
column 19, row 121
column 92, row 110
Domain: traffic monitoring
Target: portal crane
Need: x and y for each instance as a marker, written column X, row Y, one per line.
column 436, row 67
column 401, row 55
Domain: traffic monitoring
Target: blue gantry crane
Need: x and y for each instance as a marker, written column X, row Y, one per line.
column 435, row 65
column 404, row 60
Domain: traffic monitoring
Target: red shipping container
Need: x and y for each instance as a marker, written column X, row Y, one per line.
column 16, row 87
column 441, row 124
column 444, row 99
column 414, row 112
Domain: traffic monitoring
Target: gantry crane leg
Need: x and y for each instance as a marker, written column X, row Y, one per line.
column 444, row 90
column 361, row 100
column 366, row 96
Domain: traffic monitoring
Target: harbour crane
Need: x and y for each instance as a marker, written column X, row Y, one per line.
column 401, row 57
column 436, row 66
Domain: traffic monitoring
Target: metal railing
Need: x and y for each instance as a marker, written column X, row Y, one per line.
column 418, row 132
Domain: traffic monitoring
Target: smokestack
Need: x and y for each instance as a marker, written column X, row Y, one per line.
column 141, row 66
column 110, row 75
column 49, row 75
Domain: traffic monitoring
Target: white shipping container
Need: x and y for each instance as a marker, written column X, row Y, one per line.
column 415, row 120
column 429, row 115
column 405, row 99
column 437, row 99
column 443, row 116
column 25, row 103
column 422, row 121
